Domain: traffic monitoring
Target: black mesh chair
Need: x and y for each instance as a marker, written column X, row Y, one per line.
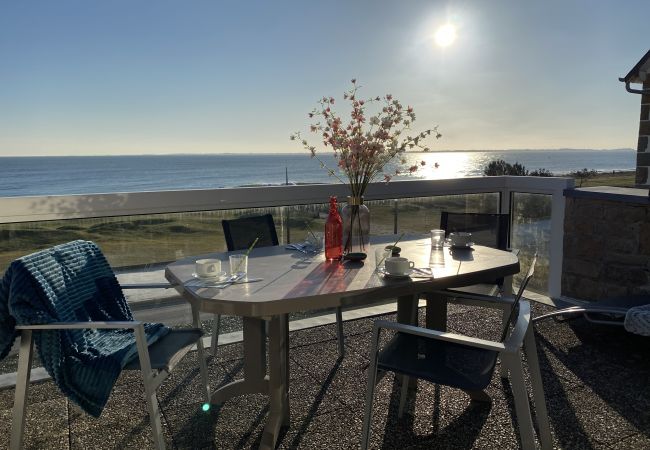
column 490, row 230
column 240, row 234
column 464, row 363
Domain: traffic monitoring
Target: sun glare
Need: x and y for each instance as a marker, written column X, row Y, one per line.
column 445, row 36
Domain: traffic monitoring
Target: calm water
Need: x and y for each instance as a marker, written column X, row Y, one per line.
column 100, row 174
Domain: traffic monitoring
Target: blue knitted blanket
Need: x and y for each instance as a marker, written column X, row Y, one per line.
column 71, row 283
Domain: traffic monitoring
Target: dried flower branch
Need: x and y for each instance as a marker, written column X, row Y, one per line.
column 365, row 145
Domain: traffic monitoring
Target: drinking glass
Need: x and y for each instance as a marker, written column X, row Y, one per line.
column 238, row 265
column 380, row 257
column 437, row 238
column 316, row 240
column 436, row 258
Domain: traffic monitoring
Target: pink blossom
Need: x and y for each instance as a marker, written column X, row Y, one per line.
column 361, row 152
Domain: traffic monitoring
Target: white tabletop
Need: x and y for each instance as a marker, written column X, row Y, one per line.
column 293, row 281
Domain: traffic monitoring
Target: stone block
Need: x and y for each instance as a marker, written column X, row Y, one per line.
column 644, row 243
column 587, row 248
column 645, row 99
column 621, row 243
column 643, row 159
column 586, row 209
column 645, row 112
column 622, row 213
column 628, row 259
column 625, row 275
column 580, row 287
column 642, row 143
column 641, row 176
column 583, row 227
column 614, row 290
column 644, row 128
column 581, row 267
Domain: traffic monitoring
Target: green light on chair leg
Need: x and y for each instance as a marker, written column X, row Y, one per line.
column 205, row 407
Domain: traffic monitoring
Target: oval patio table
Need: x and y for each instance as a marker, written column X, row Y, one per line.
column 294, row 282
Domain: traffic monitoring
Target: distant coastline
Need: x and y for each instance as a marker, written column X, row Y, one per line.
column 304, row 153
column 56, row 175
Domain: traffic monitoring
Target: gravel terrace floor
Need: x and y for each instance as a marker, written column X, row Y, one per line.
column 596, row 379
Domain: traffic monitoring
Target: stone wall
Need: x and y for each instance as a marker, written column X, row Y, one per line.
column 606, row 243
column 643, row 145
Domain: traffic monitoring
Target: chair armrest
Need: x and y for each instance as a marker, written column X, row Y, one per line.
column 441, row 335
column 81, row 325
column 491, row 299
column 146, row 286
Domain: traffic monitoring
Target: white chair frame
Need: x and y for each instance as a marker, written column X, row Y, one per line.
column 510, row 355
column 152, row 380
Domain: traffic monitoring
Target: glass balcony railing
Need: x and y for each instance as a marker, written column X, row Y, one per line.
column 139, row 245
column 141, row 232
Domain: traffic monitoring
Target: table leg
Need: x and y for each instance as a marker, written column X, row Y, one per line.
column 436, row 316
column 407, row 312
column 278, row 381
column 200, row 352
column 255, row 380
column 405, row 307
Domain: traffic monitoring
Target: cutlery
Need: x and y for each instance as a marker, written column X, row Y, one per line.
column 234, row 279
column 302, row 248
column 296, row 247
column 228, row 283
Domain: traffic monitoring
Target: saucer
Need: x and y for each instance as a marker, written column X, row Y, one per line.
column 355, row 256
column 218, row 277
column 397, row 275
column 462, row 246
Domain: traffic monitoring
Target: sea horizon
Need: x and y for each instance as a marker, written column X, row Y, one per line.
column 299, row 152
column 93, row 174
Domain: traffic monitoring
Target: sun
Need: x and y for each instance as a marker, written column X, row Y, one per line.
column 445, row 36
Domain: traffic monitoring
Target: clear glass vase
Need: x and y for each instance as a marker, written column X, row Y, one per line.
column 356, row 225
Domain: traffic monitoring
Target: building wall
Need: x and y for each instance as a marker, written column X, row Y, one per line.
column 606, row 246
column 643, row 145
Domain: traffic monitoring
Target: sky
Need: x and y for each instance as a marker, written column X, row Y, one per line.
column 155, row 77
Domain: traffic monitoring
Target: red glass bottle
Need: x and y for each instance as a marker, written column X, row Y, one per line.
column 333, row 233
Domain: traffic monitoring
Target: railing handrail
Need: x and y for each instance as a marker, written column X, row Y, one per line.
column 79, row 206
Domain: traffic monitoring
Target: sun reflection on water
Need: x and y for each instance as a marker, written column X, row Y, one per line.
column 450, row 164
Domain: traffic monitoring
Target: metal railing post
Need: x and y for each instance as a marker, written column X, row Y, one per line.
column 556, row 245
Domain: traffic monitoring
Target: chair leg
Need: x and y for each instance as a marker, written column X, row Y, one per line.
column 22, row 385
column 403, row 395
column 149, row 388
column 200, row 351
column 370, row 391
column 216, row 325
column 538, row 390
column 339, row 331
column 522, row 407
column 479, row 396
column 505, row 316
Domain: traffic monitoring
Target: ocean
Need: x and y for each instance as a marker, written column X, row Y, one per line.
column 22, row 176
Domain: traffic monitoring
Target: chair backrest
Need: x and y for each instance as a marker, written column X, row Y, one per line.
column 491, row 230
column 520, row 293
column 240, row 233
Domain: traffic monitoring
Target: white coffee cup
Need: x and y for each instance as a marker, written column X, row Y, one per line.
column 398, row 266
column 460, row 239
column 208, row 267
